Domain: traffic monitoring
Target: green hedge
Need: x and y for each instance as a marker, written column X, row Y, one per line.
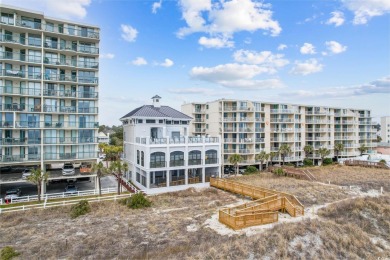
column 136, row 201
column 80, row 209
column 307, row 162
column 8, row 253
column 327, row 161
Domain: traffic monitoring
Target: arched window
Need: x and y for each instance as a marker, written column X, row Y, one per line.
column 211, row 156
column 177, row 159
column 157, row 160
column 195, row 157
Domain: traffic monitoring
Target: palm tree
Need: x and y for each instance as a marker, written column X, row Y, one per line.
column 262, row 156
column 102, row 146
column 38, row 178
column 284, row 150
column 308, row 150
column 100, row 171
column 117, row 167
column 272, row 155
column 362, row 149
column 235, row 159
column 112, row 153
column 323, row 152
column 338, row 148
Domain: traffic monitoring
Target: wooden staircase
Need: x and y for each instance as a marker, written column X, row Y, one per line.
column 263, row 210
column 126, row 184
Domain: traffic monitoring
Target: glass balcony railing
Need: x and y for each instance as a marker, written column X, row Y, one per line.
column 19, row 91
column 12, row 39
column 69, row 140
column 87, row 32
column 13, row 141
column 69, row 93
column 20, row 158
column 29, row 24
column 176, row 163
column 70, row 155
column 211, row 161
column 160, row 164
column 7, row 20
column 195, row 162
column 17, row 56
column 71, row 78
column 47, row 124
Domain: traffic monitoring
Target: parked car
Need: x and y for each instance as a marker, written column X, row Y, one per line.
column 85, row 167
column 26, row 173
column 68, row 169
column 12, row 194
column 102, row 156
column 71, row 189
column 76, row 164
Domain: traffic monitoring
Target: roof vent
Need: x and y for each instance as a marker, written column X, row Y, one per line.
column 156, row 101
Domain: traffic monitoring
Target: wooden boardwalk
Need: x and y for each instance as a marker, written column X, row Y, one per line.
column 263, row 210
column 366, row 164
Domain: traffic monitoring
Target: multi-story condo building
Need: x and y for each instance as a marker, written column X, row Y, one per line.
column 385, row 129
column 249, row 127
column 161, row 154
column 48, row 89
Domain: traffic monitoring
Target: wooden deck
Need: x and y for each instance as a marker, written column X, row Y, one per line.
column 365, row 164
column 263, row 210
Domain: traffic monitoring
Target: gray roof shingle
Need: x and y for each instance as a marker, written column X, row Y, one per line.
column 152, row 111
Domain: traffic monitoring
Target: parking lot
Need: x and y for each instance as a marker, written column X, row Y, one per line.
column 56, row 181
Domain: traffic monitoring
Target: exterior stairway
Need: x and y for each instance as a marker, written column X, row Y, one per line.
column 126, row 184
column 263, row 210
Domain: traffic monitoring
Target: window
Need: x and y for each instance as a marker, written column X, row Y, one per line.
column 34, row 40
column 142, row 159
column 207, row 116
column 49, row 27
column 169, row 122
column 157, row 160
column 7, row 18
column 139, row 121
column 150, row 121
column 138, row 157
column 207, row 106
column 161, row 121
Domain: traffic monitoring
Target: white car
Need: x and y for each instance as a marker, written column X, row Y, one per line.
column 68, row 169
column 26, row 173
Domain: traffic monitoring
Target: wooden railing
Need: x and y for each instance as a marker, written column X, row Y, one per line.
column 366, row 164
column 263, row 210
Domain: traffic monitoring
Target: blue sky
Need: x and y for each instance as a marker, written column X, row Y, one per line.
column 334, row 53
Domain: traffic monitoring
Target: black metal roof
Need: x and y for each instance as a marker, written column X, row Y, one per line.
column 152, row 111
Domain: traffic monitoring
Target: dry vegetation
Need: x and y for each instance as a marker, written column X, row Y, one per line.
column 309, row 193
column 174, row 228
column 366, row 178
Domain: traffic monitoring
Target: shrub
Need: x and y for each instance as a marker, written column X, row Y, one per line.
column 383, row 161
column 279, row 171
column 307, row 162
column 289, row 164
column 8, row 252
column 327, row 161
column 80, row 209
column 250, row 169
column 136, row 201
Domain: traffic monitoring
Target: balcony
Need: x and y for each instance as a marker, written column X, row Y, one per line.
column 161, row 164
column 227, row 108
column 319, row 130
column 282, row 120
column 244, row 129
column 176, row 163
column 245, row 119
column 13, row 141
column 12, row 39
column 195, row 162
column 20, row 158
column 70, row 156
column 199, row 120
column 70, row 78
column 232, row 119
column 13, row 73
column 229, row 140
column 245, row 151
column 259, row 140
column 28, row 24
column 246, row 140
column 178, row 140
column 199, row 111
column 16, row 56
column 71, row 63
column 71, row 31
column 284, row 111
column 211, row 161
column 10, row 90
column 260, row 119
column 281, row 130
column 232, row 151
column 324, row 113
column 317, row 121
column 259, row 130
column 69, row 140
column 20, row 108
column 317, row 138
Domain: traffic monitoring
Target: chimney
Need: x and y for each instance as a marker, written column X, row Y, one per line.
column 156, row 101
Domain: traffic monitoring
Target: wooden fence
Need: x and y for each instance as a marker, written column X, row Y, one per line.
column 263, row 210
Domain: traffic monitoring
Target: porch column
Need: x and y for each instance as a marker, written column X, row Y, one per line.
column 186, row 176
column 168, row 177
column 43, row 188
column 203, row 174
column 95, row 179
column 148, row 180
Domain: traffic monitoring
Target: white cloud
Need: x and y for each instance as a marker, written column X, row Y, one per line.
column 107, row 56
column 308, row 48
column 224, row 18
column 64, row 9
column 379, row 86
column 128, row 33
column 337, row 18
column 306, row 67
column 156, row 6
column 234, row 75
column 264, row 58
column 364, row 10
column 282, row 47
column 335, row 47
column 215, row 42
column 167, row 63
column 139, row 61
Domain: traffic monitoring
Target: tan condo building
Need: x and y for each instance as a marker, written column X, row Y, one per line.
column 249, row 127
